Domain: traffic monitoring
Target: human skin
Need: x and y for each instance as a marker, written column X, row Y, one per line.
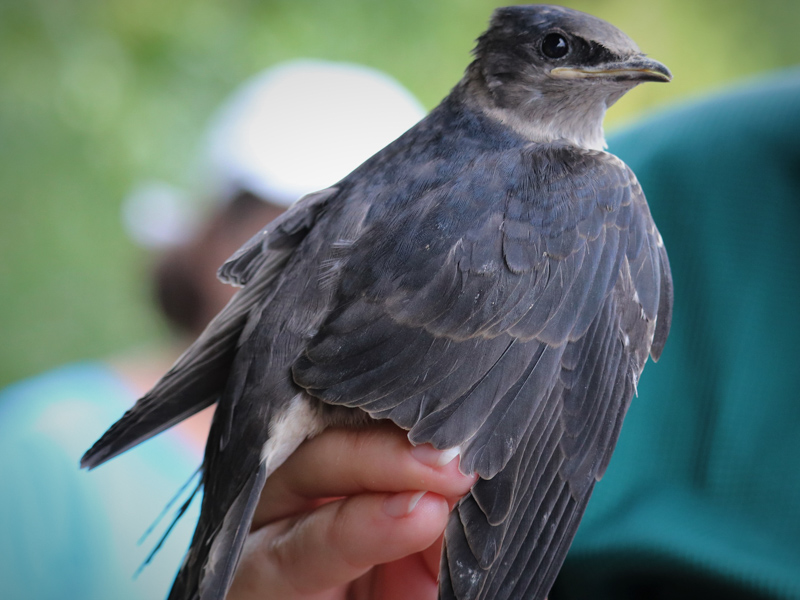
column 343, row 518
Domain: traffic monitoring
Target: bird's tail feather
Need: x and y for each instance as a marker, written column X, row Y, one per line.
column 234, row 475
column 208, row 568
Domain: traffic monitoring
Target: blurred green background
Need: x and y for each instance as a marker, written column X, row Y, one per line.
column 96, row 95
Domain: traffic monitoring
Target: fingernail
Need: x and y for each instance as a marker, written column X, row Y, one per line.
column 401, row 505
column 430, row 456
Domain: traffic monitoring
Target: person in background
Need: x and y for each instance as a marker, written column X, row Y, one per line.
column 66, row 533
column 702, row 497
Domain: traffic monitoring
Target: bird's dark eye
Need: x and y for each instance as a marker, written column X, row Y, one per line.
column 554, row 45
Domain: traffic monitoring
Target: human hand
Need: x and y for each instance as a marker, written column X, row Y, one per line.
column 352, row 514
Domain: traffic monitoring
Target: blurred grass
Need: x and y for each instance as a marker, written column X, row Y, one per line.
column 98, row 94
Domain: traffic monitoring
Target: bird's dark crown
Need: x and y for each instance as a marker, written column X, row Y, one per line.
column 518, row 32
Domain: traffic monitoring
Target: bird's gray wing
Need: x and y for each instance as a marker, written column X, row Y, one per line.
column 223, row 364
column 198, row 377
column 509, row 313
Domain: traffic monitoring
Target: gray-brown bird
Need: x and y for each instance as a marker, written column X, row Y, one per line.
column 492, row 281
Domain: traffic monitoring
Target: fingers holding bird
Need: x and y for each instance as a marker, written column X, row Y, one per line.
column 343, row 503
column 342, row 462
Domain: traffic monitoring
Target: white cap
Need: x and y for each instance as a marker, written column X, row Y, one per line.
column 302, row 126
column 293, row 129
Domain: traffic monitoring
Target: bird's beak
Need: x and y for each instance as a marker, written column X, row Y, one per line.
column 636, row 68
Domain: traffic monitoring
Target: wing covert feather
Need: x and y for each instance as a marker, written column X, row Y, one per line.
column 284, row 233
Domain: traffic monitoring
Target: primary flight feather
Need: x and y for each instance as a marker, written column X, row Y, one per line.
column 491, row 281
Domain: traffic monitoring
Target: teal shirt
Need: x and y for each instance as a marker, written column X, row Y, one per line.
column 702, row 496
column 66, row 533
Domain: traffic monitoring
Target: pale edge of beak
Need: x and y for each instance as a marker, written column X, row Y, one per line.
column 638, row 68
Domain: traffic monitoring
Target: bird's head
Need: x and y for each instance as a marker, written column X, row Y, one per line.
column 551, row 72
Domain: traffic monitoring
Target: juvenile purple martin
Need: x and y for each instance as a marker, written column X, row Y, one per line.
column 492, row 281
